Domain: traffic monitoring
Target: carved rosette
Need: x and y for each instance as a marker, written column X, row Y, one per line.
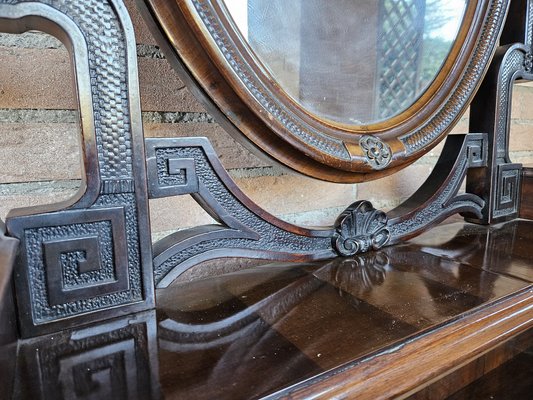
column 413, row 132
column 360, row 228
column 378, row 153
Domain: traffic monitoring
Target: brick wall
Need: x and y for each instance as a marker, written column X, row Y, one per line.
column 39, row 138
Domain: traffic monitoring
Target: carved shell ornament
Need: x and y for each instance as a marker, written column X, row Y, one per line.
column 360, row 228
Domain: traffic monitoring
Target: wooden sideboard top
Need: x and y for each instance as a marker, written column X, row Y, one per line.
column 384, row 324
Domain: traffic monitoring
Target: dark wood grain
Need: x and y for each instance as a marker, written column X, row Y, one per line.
column 385, row 324
column 511, row 380
column 504, row 249
column 402, row 370
column 473, row 373
column 407, row 314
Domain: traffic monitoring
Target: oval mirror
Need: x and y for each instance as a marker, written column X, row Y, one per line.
column 340, row 90
column 352, row 63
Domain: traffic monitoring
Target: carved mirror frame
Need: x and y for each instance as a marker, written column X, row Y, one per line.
column 203, row 42
column 108, row 223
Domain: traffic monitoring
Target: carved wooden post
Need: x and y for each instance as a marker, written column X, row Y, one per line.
column 499, row 183
column 90, row 258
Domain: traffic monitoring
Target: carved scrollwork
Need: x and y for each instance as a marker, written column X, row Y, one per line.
column 360, row 228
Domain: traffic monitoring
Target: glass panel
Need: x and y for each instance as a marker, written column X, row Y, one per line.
column 352, row 62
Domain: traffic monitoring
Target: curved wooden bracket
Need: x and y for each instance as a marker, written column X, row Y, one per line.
column 438, row 198
column 190, row 166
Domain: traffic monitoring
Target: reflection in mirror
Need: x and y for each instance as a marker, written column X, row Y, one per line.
column 352, row 62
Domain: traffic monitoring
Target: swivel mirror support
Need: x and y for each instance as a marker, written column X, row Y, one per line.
column 91, row 258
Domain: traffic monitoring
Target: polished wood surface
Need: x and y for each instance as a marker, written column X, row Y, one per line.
column 502, row 373
column 526, row 199
column 511, row 380
column 209, row 69
column 386, row 324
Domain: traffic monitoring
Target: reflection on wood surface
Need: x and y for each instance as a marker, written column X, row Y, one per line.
column 347, row 327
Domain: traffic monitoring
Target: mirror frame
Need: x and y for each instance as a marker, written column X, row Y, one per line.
column 200, row 40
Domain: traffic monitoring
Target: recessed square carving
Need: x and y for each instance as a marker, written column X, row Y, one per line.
column 79, row 268
column 508, row 184
column 169, row 172
column 73, row 263
column 477, row 151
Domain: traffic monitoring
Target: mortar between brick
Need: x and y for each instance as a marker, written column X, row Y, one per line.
column 44, row 116
column 40, row 187
column 40, row 40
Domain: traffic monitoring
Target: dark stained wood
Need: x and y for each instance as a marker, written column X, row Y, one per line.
column 454, row 383
column 526, row 198
column 511, row 380
column 8, row 321
column 8, row 251
column 401, row 370
column 517, row 30
column 499, row 182
column 389, row 316
column 179, row 30
column 8, row 360
column 386, row 324
column 248, row 366
column 504, row 249
column 434, row 288
column 359, row 228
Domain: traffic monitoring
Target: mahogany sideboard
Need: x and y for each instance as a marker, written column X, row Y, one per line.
column 430, row 300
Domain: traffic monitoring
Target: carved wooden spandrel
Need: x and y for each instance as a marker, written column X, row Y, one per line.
column 190, row 166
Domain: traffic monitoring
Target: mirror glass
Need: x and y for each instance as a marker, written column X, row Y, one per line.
column 353, row 62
